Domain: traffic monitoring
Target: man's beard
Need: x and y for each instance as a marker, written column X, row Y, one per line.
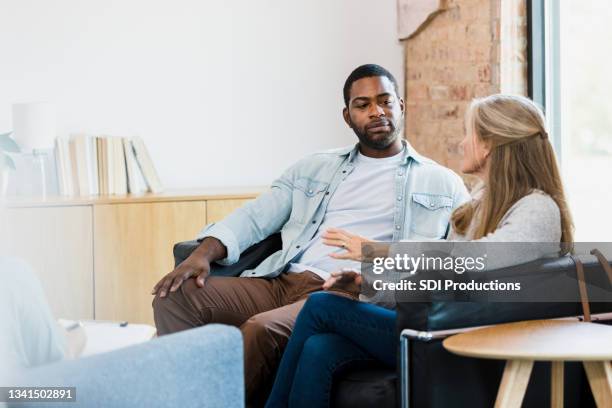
column 379, row 143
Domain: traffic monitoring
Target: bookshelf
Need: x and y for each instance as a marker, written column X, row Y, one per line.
column 99, row 256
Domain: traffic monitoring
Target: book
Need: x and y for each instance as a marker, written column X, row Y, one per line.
column 73, row 170
column 136, row 182
column 109, row 161
column 119, row 168
column 102, row 183
column 92, row 165
column 146, row 166
column 104, row 165
column 68, row 167
column 78, row 148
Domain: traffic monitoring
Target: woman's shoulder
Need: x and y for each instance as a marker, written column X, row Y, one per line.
column 537, row 199
column 536, row 205
column 533, row 218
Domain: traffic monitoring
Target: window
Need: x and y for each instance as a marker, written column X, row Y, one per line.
column 570, row 66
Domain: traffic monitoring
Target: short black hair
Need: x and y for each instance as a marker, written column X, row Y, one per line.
column 366, row 71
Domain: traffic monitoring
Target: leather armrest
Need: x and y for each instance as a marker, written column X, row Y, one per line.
column 249, row 258
column 556, row 275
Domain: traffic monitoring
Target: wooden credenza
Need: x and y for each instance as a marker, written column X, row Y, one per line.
column 99, row 257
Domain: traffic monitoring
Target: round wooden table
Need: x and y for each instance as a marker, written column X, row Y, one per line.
column 522, row 343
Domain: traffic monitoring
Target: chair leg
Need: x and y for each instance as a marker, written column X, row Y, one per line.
column 556, row 384
column 599, row 374
column 514, row 383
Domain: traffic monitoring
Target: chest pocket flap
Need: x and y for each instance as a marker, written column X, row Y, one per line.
column 432, row 201
column 430, row 215
column 310, row 187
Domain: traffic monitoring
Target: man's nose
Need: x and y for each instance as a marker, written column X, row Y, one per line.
column 377, row 111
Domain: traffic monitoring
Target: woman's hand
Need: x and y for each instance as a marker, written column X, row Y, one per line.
column 346, row 281
column 343, row 239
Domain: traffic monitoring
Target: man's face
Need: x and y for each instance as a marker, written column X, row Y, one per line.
column 374, row 112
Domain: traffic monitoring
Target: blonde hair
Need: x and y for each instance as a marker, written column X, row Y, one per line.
column 521, row 160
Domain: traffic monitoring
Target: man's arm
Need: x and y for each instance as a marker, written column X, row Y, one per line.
column 254, row 221
column 224, row 241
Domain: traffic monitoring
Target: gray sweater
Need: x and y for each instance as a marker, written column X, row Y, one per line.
column 531, row 227
column 533, row 218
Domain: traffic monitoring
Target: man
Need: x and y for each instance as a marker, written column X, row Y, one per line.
column 380, row 189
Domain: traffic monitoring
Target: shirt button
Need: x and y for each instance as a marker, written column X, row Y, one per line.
column 400, row 173
column 399, row 198
column 297, row 247
column 314, row 221
column 431, row 204
column 344, row 171
column 397, row 227
column 327, row 193
column 309, row 191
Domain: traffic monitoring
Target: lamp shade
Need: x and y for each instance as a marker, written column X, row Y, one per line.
column 34, row 125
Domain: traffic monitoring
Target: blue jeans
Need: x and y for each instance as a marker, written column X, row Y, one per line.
column 329, row 332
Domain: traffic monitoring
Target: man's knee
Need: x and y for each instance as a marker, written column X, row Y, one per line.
column 257, row 327
column 164, row 314
column 161, row 306
column 176, row 312
column 179, row 297
column 267, row 335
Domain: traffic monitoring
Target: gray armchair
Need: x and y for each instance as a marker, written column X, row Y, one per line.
column 201, row 367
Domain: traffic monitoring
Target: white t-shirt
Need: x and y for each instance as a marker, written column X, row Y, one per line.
column 363, row 204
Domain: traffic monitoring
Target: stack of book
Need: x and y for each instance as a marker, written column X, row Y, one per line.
column 104, row 165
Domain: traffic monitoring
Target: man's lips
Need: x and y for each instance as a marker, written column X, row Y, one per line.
column 379, row 126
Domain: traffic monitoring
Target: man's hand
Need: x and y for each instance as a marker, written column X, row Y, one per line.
column 191, row 267
column 348, row 281
column 197, row 265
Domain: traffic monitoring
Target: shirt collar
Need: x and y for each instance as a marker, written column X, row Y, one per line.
column 407, row 153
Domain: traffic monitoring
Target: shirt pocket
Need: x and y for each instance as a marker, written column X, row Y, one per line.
column 307, row 194
column 430, row 214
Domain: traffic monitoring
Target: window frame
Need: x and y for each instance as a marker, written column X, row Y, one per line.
column 543, row 51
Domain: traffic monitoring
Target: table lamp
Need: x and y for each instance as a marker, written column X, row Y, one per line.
column 34, row 129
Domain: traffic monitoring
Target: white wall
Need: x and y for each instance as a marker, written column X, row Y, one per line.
column 223, row 92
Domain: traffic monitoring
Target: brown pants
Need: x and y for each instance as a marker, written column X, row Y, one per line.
column 264, row 309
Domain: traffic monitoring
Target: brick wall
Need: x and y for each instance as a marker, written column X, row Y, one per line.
column 453, row 59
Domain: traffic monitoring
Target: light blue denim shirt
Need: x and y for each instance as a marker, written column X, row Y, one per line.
column 426, row 194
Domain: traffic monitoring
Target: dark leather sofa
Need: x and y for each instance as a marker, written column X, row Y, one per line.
column 429, row 376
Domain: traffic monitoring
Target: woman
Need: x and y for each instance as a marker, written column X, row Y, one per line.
column 521, row 199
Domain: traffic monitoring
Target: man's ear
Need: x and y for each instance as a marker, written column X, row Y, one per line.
column 347, row 117
column 402, row 106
